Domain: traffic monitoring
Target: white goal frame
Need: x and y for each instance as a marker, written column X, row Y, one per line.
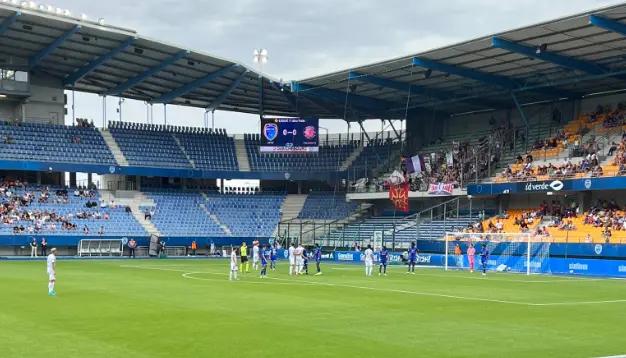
column 451, row 237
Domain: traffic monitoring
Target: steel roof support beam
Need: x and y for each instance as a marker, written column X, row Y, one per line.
column 95, row 63
column 466, row 72
column 222, row 97
column 413, row 89
column 132, row 82
column 181, row 91
column 563, row 61
column 6, row 24
column 487, row 78
column 353, row 110
column 36, row 59
column 293, row 102
column 398, row 136
column 340, row 97
column 608, row 24
column 364, row 131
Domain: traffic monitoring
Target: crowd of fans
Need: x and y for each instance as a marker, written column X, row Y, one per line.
column 463, row 161
column 16, row 211
column 84, row 122
column 589, row 166
column 614, row 118
column 606, row 214
column 552, row 142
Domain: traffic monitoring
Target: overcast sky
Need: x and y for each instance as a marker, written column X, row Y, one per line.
column 306, row 37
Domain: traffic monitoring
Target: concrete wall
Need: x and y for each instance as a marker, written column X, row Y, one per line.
column 10, row 110
column 47, row 101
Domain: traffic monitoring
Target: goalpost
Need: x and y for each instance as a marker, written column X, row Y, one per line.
column 508, row 252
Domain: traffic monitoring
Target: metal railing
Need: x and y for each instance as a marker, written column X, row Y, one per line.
column 309, row 230
column 388, row 235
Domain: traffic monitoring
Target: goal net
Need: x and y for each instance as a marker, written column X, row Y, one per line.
column 511, row 252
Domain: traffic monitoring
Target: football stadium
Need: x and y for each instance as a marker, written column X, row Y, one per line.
column 474, row 205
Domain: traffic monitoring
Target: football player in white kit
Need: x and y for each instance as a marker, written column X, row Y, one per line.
column 369, row 260
column 298, row 252
column 292, row 259
column 233, row 265
column 52, row 269
column 255, row 256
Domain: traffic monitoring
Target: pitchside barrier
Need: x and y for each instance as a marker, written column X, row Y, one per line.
column 550, row 265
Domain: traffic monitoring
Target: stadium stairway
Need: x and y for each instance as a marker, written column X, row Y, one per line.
column 113, row 147
column 292, row 205
column 182, row 149
column 135, row 200
column 353, row 156
column 213, row 217
column 242, row 155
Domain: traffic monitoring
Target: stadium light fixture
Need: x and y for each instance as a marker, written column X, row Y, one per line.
column 260, row 56
column 541, row 48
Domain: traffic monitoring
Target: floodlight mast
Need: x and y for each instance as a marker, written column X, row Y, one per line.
column 260, row 58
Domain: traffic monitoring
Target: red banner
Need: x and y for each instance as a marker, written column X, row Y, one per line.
column 399, row 195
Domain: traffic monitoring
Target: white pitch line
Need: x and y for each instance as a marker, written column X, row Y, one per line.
column 189, row 275
column 491, row 278
column 574, row 303
column 426, row 294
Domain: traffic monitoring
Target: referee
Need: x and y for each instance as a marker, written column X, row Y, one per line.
column 244, row 258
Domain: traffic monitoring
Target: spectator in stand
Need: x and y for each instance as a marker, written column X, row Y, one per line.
column 606, row 233
column 499, row 226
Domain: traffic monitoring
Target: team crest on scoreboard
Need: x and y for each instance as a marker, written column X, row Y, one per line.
column 270, row 131
column 310, row 132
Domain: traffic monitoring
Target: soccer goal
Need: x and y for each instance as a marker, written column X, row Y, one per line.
column 510, row 252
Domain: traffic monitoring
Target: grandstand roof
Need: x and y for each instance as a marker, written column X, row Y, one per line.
column 104, row 59
column 581, row 55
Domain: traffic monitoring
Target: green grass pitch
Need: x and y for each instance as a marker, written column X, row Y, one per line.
column 188, row 308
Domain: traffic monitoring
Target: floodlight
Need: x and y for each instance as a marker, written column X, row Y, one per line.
column 541, row 48
column 260, row 56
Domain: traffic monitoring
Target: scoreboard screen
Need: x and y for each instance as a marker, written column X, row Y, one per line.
column 295, row 135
